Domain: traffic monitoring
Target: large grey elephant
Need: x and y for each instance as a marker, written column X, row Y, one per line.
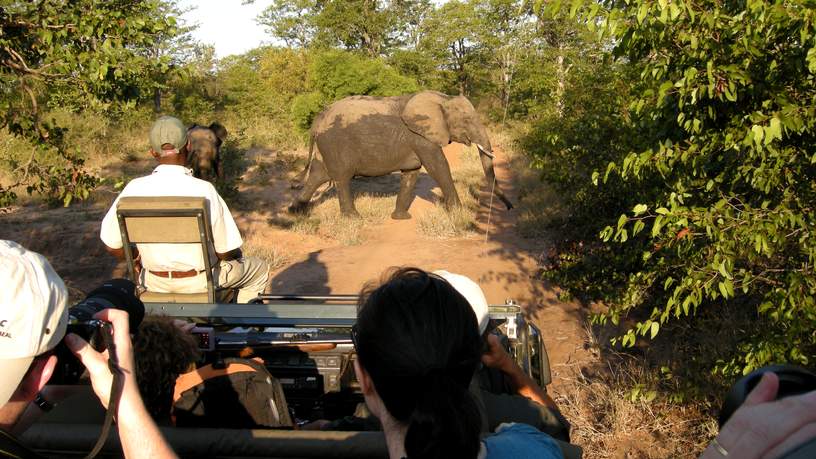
column 204, row 154
column 373, row 136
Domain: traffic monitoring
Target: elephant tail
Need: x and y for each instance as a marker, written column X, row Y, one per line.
column 297, row 182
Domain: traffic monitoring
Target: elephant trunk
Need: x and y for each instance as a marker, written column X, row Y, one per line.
column 486, row 155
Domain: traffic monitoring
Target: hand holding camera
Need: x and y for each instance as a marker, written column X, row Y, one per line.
column 776, row 419
column 495, row 356
column 115, row 322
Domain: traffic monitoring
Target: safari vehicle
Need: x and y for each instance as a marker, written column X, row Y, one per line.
column 305, row 342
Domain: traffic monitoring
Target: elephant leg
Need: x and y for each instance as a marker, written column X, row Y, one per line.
column 434, row 161
column 317, row 176
column 347, row 208
column 406, row 194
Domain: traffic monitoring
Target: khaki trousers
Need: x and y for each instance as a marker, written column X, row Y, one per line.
column 249, row 275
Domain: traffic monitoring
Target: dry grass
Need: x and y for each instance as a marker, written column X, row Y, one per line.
column 439, row 223
column 325, row 219
column 274, row 256
column 538, row 204
column 621, row 408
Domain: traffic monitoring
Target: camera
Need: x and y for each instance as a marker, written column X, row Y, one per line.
column 793, row 380
column 116, row 294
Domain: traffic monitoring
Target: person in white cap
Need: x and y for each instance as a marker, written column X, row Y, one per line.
column 33, row 320
column 530, row 404
column 179, row 268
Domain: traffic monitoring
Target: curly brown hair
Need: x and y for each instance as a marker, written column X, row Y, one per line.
column 162, row 352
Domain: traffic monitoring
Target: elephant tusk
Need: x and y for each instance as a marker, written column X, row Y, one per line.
column 485, row 152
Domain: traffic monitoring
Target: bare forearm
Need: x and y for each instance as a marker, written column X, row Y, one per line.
column 525, row 386
column 119, row 253
column 139, row 435
column 233, row 254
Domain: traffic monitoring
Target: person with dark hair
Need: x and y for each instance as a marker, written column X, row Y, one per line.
column 164, row 351
column 418, row 346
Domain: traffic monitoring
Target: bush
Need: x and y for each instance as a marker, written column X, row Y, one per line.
column 718, row 185
column 334, row 75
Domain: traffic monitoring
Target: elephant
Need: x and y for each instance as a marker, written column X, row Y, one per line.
column 372, row 136
column 204, row 152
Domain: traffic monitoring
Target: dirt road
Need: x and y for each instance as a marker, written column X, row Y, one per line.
column 503, row 263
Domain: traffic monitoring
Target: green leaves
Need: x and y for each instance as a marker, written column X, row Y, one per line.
column 75, row 55
column 718, row 164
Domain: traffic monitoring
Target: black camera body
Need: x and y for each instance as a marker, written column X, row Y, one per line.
column 793, row 380
column 116, row 294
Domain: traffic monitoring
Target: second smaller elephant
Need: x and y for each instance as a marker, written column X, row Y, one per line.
column 204, row 154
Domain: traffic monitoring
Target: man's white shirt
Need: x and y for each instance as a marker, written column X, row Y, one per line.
column 170, row 180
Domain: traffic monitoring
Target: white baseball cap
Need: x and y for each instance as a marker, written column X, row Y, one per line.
column 33, row 312
column 472, row 292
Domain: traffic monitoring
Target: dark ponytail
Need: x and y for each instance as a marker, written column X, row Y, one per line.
column 419, row 340
column 445, row 422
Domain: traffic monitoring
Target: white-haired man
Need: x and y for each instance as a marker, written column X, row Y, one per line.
column 179, row 268
column 33, row 320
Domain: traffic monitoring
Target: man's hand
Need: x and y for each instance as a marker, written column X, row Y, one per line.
column 97, row 362
column 183, row 325
column 764, row 427
column 138, row 433
column 496, row 356
column 233, row 254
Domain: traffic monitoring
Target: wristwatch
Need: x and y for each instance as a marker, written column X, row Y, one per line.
column 44, row 404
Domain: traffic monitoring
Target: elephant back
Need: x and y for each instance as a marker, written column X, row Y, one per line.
column 353, row 109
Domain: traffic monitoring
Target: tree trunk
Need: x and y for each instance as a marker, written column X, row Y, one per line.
column 559, row 92
column 157, row 100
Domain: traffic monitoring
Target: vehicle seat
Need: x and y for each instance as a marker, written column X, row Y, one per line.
column 168, row 220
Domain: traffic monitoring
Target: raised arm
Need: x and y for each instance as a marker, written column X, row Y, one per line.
column 138, row 433
column 496, row 357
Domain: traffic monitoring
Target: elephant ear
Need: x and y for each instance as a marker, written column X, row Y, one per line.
column 219, row 131
column 423, row 115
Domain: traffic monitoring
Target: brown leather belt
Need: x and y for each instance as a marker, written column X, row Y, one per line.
column 175, row 274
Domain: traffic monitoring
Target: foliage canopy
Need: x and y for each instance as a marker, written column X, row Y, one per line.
column 88, row 52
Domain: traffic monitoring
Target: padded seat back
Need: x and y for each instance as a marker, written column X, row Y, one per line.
column 168, row 220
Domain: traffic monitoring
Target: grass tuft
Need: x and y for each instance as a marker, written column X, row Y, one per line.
column 274, row 256
column 620, row 406
column 439, row 223
column 325, row 219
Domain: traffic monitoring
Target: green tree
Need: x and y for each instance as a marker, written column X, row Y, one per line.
column 291, row 21
column 93, row 49
column 373, row 27
column 452, row 36
column 175, row 46
column 507, row 31
column 334, row 75
column 724, row 185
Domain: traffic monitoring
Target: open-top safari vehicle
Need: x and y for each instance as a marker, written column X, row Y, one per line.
column 304, row 342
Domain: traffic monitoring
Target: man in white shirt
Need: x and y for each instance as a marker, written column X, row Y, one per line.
column 179, row 268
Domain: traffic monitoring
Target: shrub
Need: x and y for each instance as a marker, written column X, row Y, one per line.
column 719, row 196
column 334, row 75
